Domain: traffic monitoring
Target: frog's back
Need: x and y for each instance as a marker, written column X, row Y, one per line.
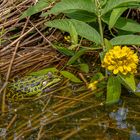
column 29, row 85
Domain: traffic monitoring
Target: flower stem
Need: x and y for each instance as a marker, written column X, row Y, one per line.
column 100, row 22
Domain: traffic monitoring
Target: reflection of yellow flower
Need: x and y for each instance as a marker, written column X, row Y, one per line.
column 93, row 85
column 122, row 60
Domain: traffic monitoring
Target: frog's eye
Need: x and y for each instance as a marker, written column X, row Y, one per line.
column 49, row 74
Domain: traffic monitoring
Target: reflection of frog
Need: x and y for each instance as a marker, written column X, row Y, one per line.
column 33, row 85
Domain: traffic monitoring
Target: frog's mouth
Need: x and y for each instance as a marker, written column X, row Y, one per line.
column 52, row 85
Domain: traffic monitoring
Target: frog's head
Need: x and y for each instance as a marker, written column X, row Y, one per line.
column 50, row 81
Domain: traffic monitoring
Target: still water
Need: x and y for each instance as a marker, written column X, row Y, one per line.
column 71, row 114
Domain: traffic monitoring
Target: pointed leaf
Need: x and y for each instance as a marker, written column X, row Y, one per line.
column 126, row 40
column 116, row 13
column 76, row 56
column 84, row 67
column 70, row 76
column 82, row 16
column 66, row 5
column 40, row 5
column 108, row 45
column 64, row 50
column 44, row 71
column 128, row 81
column 111, row 4
column 97, row 76
column 82, row 28
column 73, row 34
column 113, row 90
column 125, row 24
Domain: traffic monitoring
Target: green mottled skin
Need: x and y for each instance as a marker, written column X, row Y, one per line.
column 34, row 85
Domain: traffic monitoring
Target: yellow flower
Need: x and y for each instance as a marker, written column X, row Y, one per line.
column 121, row 60
column 93, row 85
column 67, row 38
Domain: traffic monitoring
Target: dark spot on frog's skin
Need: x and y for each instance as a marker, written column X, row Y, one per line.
column 27, row 85
column 29, row 90
column 37, row 83
column 32, row 81
column 35, row 89
column 32, row 85
column 15, row 85
column 18, row 91
column 16, row 79
column 21, row 86
column 25, row 89
column 29, row 78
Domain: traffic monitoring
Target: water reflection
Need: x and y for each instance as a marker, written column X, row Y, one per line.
column 134, row 135
column 120, row 116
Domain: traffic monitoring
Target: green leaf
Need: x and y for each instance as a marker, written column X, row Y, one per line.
column 66, row 5
column 84, row 67
column 96, row 77
column 82, row 28
column 73, row 34
column 116, row 13
column 113, row 90
column 128, row 81
column 125, row 24
column 40, row 5
column 137, row 92
column 76, row 56
column 82, row 16
column 111, row 4
column 43, row 71
column 70, row 76
column 126, row 40
column 64, row 50
column 108, row 45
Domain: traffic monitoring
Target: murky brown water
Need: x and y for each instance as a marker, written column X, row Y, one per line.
column 71, row 115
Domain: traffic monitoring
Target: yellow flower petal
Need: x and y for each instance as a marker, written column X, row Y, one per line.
column 121, row 59
column 115, row 71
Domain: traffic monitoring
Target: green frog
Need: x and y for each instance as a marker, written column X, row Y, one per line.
column 33, row 85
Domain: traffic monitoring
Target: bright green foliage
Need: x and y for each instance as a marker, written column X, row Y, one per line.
column 84, row 67
column 76, row 56
column 67, row 5
column 113, row 90
column 82, row 28
column 126, row 40
column 115, row 14
column 128, row 81
column 86, row 20
column 111, row 4
column 40, row 5
column 126, row 25
column 70, row 76
column 64, row 50
column 44, row 71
